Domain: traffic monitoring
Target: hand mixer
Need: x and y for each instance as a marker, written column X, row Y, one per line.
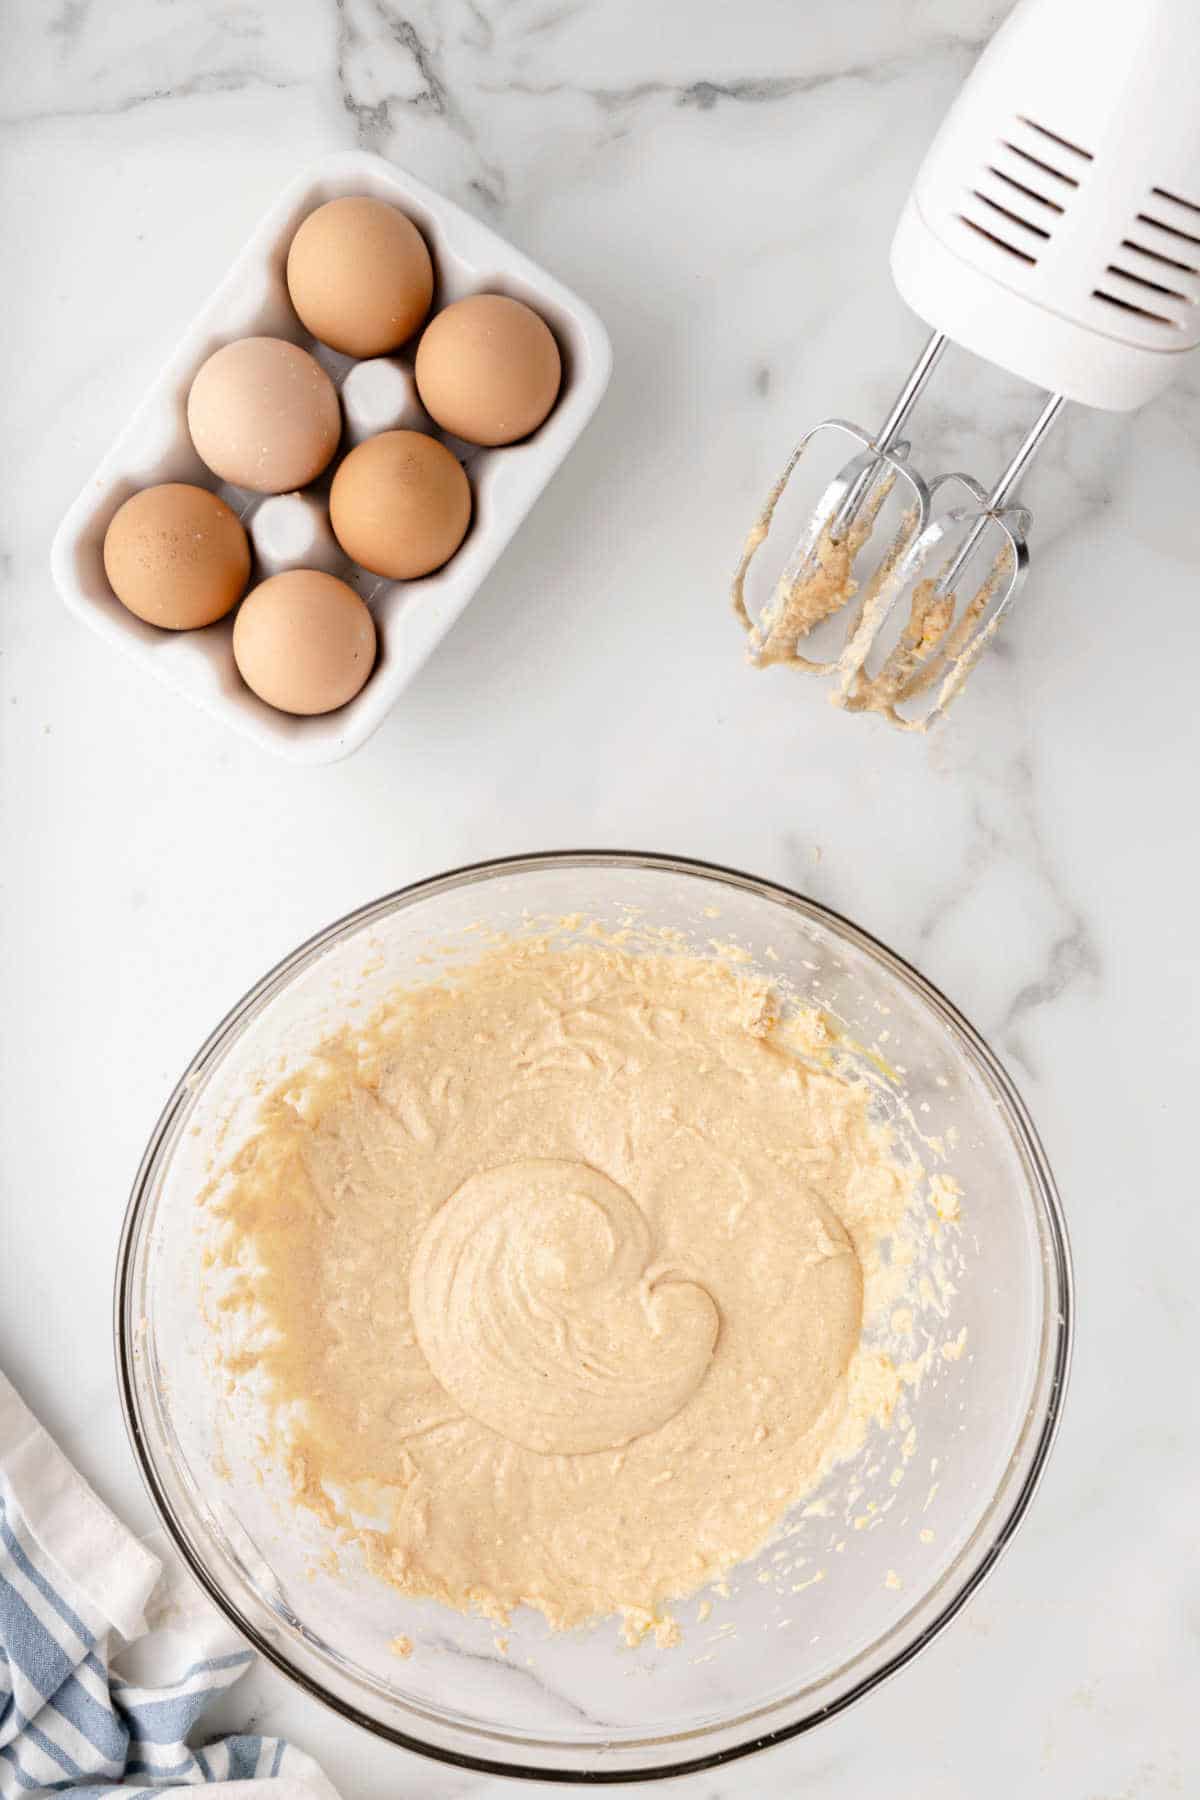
column 1054, row 230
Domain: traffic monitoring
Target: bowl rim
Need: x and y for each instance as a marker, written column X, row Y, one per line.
column 1056, row 1380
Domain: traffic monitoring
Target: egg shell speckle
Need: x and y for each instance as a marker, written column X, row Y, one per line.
column 176, row 556
column 264, row 415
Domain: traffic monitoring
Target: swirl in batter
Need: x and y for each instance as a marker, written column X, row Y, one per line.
column 562, row 1270
column 539, row 1309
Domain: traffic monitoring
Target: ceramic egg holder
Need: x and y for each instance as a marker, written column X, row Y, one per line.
column 292, row 531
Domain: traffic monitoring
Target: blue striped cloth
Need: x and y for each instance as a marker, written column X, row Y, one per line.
column 74, row 1590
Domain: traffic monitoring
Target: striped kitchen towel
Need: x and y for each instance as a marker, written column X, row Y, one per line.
column 75, row 1589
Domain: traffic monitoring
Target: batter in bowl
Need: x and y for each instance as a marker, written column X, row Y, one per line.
column 556, row 1277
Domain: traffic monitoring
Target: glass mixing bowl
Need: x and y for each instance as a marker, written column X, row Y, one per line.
column 876, row 1563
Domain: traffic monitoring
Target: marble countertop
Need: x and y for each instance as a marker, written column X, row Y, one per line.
column 720, row 181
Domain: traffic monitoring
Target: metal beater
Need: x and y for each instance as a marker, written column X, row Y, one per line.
column 1053, row 229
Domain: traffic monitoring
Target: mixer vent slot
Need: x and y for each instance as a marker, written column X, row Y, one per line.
column 1006, row 212
column 1055, row 137
column 1024, row 188
column 1000, row 243
column 1154, row 276
column 1180, row 219
column 1020, row 187
column 1129, row 306
column 1177, row 200
column 1156, row 256
column 1152, row 287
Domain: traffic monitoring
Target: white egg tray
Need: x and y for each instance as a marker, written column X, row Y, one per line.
column 411, row 616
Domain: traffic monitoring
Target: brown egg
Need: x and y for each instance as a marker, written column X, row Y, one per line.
column 359, row 276
column 304, row 642
column 264, row 415
column 176, row 556
column 488, row 369
column 400, row 504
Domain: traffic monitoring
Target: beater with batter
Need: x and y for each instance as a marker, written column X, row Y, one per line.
column 1053, row 229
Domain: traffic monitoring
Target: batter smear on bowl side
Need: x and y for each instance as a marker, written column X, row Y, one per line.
column 557, row 1275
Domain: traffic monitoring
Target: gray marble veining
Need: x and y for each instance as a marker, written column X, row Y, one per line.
column 721, row 182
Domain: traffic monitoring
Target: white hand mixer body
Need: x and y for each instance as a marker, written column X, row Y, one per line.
column 1053, row 229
